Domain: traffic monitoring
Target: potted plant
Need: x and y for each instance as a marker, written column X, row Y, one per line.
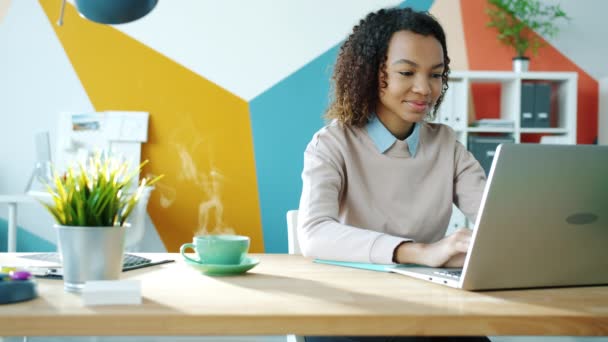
column 91, row 204
column 516, row 20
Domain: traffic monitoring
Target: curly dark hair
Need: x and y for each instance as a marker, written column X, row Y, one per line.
column 363, row 55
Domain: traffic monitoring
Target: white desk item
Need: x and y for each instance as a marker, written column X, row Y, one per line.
column 12, row 201
column 112, row 292
column 119, row 133
column 42, row 172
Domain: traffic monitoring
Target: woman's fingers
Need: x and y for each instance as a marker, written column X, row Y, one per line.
column 456, row 261
column 461, row 240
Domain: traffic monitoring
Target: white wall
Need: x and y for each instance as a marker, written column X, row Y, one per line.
column 248, row 46
column 583, row 39
column 37, row 82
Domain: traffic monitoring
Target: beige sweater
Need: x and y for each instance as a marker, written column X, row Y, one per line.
column 359, row 202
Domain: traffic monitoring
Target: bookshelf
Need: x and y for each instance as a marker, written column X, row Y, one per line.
column 459, row 112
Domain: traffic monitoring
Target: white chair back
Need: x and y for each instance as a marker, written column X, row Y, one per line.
column 294, row 248
column 293, row 245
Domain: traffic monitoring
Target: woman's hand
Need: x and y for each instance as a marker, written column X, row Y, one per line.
column 456, row 261
column 447, row 252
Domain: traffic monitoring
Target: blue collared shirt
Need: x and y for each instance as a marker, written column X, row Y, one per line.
column 384, row 139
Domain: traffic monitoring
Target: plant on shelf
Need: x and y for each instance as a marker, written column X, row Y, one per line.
column 91, row 204
column 517, row 20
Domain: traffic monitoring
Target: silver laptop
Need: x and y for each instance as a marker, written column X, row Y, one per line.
column 543, row 222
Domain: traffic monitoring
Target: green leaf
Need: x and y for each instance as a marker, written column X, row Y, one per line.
column 98, row 192
column 515, row 19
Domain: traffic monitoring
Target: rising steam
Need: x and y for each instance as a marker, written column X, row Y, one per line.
column 210, row 211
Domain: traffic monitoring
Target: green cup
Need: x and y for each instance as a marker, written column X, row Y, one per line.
column 218, row 249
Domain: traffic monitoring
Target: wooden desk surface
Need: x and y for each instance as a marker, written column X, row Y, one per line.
column 290, row 294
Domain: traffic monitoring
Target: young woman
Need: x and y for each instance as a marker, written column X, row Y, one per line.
column 379, row 181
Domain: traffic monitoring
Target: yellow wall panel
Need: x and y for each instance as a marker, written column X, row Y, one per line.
column 199, row 134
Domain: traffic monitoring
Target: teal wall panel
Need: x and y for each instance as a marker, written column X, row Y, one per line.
column 26, row 241
column 418, row 5
column 283, row 120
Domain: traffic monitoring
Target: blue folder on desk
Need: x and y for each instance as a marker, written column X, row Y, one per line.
column 361, row 265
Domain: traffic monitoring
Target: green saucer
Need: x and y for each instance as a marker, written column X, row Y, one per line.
column 218, row 270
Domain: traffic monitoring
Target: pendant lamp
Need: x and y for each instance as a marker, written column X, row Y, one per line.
column 111, row 11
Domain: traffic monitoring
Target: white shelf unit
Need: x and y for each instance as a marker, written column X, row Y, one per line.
column 457, row 109
column 603, row 113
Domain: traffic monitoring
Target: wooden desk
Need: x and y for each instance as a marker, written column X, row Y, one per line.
column 290, row 294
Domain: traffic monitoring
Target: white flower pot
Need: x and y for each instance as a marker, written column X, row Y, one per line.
column 90, row 253
column 520, row 64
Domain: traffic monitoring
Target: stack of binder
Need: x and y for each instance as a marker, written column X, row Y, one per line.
column 483, row 148
column 535, row 104
column 494, row 123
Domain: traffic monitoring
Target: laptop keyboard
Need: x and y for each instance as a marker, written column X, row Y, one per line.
column 451, row 274
column 129, row 261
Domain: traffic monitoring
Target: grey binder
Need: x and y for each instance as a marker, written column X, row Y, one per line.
column 484, row 147
column 542, row 105
column 527, row 104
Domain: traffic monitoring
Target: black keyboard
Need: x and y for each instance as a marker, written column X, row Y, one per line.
column 129, row 261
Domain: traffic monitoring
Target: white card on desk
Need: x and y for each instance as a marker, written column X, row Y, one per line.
column 111, row 292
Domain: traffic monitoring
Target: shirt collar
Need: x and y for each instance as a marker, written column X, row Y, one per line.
column 384, row 139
